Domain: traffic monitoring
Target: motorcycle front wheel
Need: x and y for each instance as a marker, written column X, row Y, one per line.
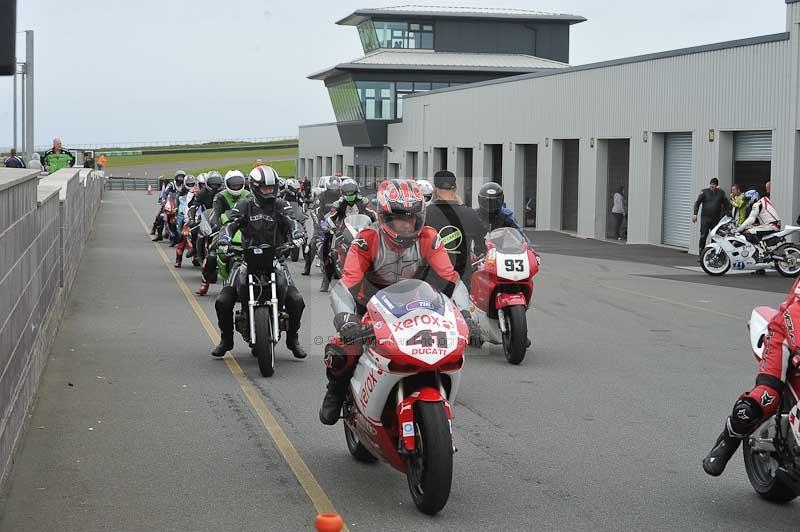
column 264, row 349
column 789, row 266
column 515, row 339
column 715, row 261
column 430, row 469
column 761, row 469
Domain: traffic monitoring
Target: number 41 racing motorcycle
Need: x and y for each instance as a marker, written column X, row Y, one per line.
column 772, row 451
column 398, row 404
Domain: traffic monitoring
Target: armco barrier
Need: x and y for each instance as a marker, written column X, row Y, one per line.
column 44, row 226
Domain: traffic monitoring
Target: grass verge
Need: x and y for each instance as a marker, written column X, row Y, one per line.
column 186, row 159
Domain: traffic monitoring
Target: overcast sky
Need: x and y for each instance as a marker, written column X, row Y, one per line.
column 147, row 70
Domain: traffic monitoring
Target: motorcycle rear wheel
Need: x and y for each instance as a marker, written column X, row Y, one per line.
column 264, row 349
column 713, row 264
column 430, row 470
column 515, row 339
column 789, row 267
column 762, row 477
column 356, row 448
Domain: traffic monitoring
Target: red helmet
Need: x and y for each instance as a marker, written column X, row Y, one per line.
column 401, row 211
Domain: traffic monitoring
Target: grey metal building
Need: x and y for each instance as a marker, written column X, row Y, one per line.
column 661, row 125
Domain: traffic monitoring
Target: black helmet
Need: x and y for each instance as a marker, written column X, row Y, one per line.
column 350, row 191
column 334, row 184
column 264, row 184
column 490, row 198
column 214, row 181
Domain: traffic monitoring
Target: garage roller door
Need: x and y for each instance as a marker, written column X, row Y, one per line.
column 678, row 198
column 752, row 145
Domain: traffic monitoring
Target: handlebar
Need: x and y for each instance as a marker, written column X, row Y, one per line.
column 363, row 333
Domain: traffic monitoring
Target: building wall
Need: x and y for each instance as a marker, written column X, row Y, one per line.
column 44, row 226
column 321, row 140
column 735, row 88
column 542, row 39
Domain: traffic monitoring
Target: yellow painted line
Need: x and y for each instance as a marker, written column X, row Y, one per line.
column 652, row 297
column 305, row 477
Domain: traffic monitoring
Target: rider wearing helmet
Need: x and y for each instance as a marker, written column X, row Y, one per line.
column 426, row 188
column 263, row 218
column 233, row 191
column 174, row 187
column 762, row 220
column 322, row 206
column 351, row 202
column 493, row 211
column 212, row 185
column 751, row 409
column 292, row 192
column 398, row 246
column 205, row 197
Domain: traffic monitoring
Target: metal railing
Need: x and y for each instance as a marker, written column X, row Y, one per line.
column 132, row 183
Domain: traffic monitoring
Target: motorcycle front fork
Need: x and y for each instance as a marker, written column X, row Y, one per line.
column 253, row 302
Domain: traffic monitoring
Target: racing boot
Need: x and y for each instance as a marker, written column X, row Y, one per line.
column 332, row 402
column 153, row 230
column 326, row 283
column 178, row 259
column 203, row 289
column 159, row 236
column 225, row 344
column 724, row 449
column 307, row 269
column 293, row 343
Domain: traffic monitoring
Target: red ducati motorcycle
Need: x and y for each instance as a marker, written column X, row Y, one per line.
column 501, row 291
column 398, row 405
column 772, row 452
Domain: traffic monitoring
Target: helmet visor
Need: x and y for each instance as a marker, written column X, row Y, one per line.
column 235, row 183
column 265, row 190
column 404, row 224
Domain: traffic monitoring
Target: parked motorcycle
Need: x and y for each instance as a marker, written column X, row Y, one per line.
column 343, row 238
column 501, row 291
column 732, row 250
column 398, row 404
column 261, row 320
column 772, row 452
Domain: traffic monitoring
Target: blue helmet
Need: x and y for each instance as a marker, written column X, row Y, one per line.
column 751, row 195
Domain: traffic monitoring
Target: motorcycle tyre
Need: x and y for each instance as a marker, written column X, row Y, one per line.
column 264, row 349
column 515, row 339
column 709, row 272
column 436, row 445
column 767, row 486
column 778, row 266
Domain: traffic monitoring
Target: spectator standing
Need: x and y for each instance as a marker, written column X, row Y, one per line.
column 57, row 158
column 618, row 211
column 738, row 204
column 14, row 160
column 715, row 204
column 768, row 188
column 101, row 162
column 88, row 160
column 35, row 163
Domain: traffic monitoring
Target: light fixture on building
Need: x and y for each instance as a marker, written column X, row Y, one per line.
column 711, row 135
column 547, row 142
column 644, row 136
column 591, row 142
column 480, row 145
column 510, row 146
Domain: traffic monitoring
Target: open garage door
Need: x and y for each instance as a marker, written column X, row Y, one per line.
column 752, row 156
column 569, row 185
column 678, row 198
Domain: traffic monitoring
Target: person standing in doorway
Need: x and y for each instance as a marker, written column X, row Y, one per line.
column 738, row 204
column 618, row 211
column 768, row 188
column 715, row 205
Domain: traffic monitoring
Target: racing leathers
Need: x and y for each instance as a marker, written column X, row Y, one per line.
column 762, row 221
column 760, row 403
column 292, row 196
column 177, row 190
column 322, row 206
column 261, row 223
column 340, row 209
column 504, row 218
column 222, row 202
column 372, row 264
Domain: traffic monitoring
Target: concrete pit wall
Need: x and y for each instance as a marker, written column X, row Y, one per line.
column 44, row 225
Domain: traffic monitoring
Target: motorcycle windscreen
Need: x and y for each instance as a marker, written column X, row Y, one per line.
column 419, row 319
column 510, row 254
column 507, row 240
column 356, row 222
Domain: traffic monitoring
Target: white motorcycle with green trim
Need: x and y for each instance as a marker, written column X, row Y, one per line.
column 730, row 249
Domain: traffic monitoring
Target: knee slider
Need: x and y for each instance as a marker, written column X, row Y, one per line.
column 746, row 416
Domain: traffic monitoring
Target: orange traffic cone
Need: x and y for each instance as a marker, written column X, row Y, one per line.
column 329, row 523
column 149, row 190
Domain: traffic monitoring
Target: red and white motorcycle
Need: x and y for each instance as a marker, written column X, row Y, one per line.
column 398, row 405
column 501, row 291
column 772, row 452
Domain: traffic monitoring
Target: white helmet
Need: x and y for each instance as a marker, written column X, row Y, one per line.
column 264, row 183
column 234, row 182
column 201, row 178
column 426, row 188
column 293, row 185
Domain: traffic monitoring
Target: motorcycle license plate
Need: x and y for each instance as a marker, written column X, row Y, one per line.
column 514, row 267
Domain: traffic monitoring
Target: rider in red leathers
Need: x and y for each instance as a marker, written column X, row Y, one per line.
column 398, row 246
column 760, row 403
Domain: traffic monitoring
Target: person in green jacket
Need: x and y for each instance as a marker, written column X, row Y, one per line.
column 738, row 204
column 57, row 158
